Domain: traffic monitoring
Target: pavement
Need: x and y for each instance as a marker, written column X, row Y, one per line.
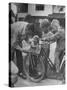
column 26, row 83
column 52, row 79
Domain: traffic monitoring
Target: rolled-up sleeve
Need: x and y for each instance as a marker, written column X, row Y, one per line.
column 56, row 36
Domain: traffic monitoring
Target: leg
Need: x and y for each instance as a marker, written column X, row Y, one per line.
column 20, row 63
column 19, row 60
column 57, row 61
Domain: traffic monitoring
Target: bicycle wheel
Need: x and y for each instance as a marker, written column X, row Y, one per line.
column 62, row 67
column 34, row 69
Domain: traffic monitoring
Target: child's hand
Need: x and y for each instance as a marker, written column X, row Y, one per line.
column 18, row 48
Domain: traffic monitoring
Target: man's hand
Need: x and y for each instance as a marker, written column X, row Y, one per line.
column 46, row 39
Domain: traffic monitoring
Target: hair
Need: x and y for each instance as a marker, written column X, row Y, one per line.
column 44, row 25
column 55, row 22
column 33, row 29
column 28, row 18
column 37, row 29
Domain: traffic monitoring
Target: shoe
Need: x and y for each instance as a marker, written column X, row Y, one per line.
column 22, row 75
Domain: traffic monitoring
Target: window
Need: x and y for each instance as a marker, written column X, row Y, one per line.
column 39, row 7
column 58, row 9
column 22, row 8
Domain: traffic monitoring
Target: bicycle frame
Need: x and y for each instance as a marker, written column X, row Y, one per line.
column 52, row 65
column 50, row 62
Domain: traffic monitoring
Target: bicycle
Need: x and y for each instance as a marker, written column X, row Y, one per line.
column 34, row 64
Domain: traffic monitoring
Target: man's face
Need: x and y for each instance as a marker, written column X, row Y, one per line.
column 44, row 29
column 54, row 29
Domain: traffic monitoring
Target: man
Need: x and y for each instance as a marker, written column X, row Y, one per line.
column 21, row 32
column 17, row 35
column 59, row 38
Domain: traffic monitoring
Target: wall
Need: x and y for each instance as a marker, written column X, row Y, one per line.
column 33, row 12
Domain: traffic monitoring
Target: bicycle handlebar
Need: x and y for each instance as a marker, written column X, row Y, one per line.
column 41, row 42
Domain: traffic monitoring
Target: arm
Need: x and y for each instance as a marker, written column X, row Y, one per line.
column 56, row 36
column 18, row 48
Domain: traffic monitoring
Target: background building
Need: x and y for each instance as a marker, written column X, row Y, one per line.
column 39, row 11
